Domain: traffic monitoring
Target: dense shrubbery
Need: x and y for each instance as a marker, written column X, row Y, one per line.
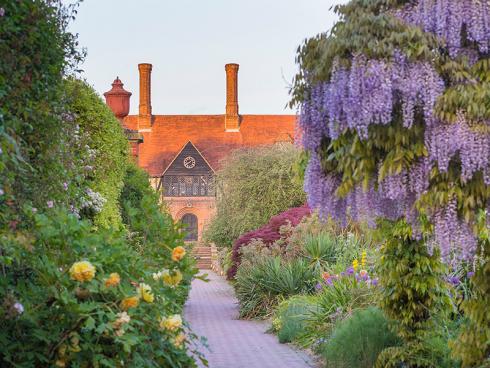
column 253, row 185
column 357, row 341
column 274, row 230
column 90, row 276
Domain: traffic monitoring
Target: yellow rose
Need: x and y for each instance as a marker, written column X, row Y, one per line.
column 145, row 293
column 178, row 253
column 172, row 280
column 82, row 271
column 113, row 280
column 130, row 302
column 171, row 323
column 178, row 340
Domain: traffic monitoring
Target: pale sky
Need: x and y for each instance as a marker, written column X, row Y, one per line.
column 189, row 42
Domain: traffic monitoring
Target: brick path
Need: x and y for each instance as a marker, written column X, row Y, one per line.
column 212, row 312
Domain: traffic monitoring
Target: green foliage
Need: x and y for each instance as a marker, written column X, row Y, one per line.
column 292, row 316
column 320, row 249
column 36, row 52
column 253, row 185
column 260, row 286
column 412, row 293
column 357, row 341
column 105, row 135
column 472, row 345
column 72, row 322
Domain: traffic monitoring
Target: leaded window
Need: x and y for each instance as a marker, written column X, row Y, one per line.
column 188, row 186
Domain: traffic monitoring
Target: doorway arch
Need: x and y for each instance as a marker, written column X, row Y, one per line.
column 189, row 220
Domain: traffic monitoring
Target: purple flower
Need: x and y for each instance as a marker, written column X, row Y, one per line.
column 19, row 308
column 2, row 12
column 350, row 270
column 50, row 204
column 453, row 280
column 470, row 274
column 65, row 186
column 34, row 209
column 2, row 192
column 318, row 286
column 374, row 282
column 342, row 274
column 329, row 281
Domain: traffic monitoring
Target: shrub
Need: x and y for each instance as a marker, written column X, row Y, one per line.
column 254, row 184
column 47, row 317
column 357, row 341
column 292, row 317
column 260, row 286
column 104, row 135
column 268, row 233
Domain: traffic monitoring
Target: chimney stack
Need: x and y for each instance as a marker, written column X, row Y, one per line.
column 118, row 99
column 232, row 119
column 144, row 121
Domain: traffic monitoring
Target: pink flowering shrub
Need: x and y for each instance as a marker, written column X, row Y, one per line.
column 269, row 233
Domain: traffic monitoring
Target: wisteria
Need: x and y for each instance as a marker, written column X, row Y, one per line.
column 365, row 95
column 374, row 91
column 448, row 18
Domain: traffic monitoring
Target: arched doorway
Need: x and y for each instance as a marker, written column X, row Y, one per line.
column 189, row 221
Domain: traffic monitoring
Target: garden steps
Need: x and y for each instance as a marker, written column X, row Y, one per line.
column 203, row 256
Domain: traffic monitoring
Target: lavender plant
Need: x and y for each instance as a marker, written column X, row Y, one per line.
column 395, row 116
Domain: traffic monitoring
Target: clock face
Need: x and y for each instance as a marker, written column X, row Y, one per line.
column 189, row 162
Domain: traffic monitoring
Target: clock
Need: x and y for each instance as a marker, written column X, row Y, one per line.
column 189, row 162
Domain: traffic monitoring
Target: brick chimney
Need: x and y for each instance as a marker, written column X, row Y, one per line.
column 145, row 120
column 232, row 119
column 118, row 99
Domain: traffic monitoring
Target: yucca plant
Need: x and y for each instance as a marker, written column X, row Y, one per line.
column 260, row 287
column 320, row 249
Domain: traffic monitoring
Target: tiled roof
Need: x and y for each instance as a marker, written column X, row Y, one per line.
column 169, row 133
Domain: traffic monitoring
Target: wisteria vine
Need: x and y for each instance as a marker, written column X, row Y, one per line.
column 371, row 92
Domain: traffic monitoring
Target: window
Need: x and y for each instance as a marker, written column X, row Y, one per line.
column 188, row 186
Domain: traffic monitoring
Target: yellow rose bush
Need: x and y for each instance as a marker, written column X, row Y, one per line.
column 81, row 229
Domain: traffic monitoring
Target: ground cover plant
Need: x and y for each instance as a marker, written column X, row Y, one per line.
column 93, row 271
column 395, row 119
column 253, row 185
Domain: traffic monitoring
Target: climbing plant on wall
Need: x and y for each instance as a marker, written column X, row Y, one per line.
column 395, row 114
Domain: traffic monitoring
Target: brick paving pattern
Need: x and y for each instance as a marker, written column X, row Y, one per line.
column 212, row 311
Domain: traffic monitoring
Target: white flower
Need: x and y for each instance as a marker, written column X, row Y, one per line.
column 1, row 192
column 19, row 308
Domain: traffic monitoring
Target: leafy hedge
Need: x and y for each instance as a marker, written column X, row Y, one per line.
column 90, row 275
column 101, row 133
column 254, row 184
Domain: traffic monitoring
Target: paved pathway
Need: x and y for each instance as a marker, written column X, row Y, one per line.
column 212, row 312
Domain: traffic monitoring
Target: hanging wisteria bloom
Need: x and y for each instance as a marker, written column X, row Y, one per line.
column 370, row 91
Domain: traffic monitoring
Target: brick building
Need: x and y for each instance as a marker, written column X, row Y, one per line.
column 181, row 153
